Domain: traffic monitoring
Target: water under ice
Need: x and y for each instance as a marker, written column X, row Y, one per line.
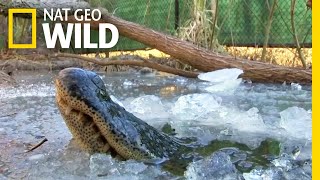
column 249, row 115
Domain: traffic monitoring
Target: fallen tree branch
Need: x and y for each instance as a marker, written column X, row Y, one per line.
column 37, row 145
column 144, row 63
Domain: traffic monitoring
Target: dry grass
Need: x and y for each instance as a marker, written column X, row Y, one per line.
column 281, row 56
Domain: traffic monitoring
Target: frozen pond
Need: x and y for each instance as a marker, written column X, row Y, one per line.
column 245, row 113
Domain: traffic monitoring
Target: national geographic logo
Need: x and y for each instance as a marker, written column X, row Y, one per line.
column 33, row 13
column 81, row 29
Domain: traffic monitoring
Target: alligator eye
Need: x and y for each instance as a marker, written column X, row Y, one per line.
column 103, row 94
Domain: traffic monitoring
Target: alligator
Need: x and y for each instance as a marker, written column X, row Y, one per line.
column 98, row 124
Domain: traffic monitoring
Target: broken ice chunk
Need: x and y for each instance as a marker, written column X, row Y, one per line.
column 102, row 164
column 221, row 75
column 224, row 80
column 192, row 106
column 296, row 86
column 216, row 166
column 297, row 122
column 271, row 173
column 148, row 107
column 127, row 83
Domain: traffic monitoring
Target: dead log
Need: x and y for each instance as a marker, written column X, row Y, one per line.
column 201, row 58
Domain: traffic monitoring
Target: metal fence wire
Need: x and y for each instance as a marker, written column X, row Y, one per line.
column 238, row 22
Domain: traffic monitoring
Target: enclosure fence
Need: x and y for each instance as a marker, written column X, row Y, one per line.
column 238, row 22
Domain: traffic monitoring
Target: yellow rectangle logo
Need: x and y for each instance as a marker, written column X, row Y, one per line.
column 33, row 13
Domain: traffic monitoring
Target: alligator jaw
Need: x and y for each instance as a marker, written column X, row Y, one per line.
column 81, row 125
column 96, row 122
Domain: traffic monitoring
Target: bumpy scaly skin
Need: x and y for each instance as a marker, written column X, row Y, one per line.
column 99, row 125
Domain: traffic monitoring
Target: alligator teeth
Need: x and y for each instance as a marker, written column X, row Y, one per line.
column 68, row 110
column 81, row 116
column 106, row 147
column 96, row 136
column 85, row 120
column 92, row 124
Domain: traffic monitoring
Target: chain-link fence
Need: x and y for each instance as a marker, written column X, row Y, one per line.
column 247, row 21
column 164, row 16
column 239, row 22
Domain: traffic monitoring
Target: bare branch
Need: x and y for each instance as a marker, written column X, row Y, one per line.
column 268, row 28
column 295, row 35
column 144, row 63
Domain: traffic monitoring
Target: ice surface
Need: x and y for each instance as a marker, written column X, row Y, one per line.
column 39, row 90
column 127, row 83
column 106, row 167
column 297, row 122
column 221, row 75
column 283, row 167
column 217, row 166
column 249, row 115
column 279, row 173
column 263, row 174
